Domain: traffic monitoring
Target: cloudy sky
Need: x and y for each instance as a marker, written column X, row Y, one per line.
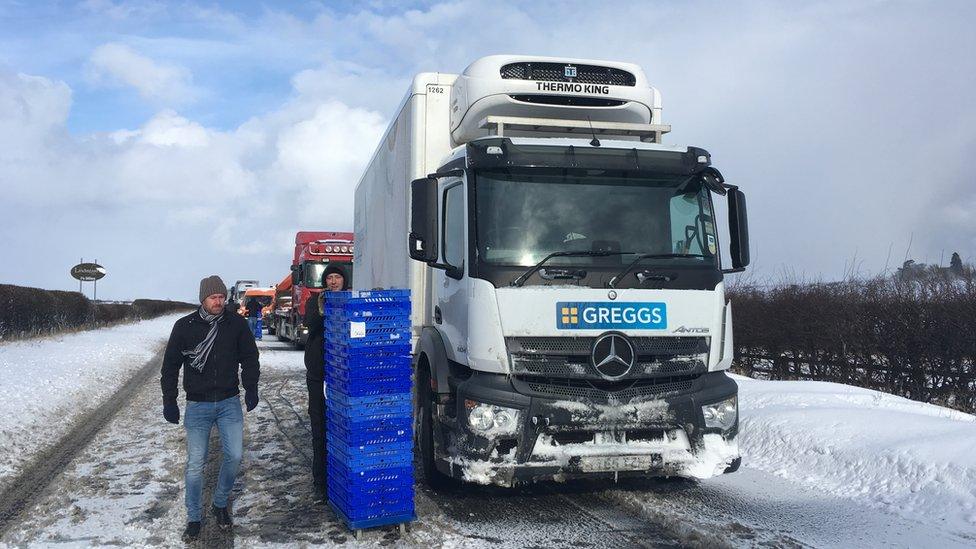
column 171, row 140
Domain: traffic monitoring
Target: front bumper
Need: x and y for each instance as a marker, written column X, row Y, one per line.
column 561, row 439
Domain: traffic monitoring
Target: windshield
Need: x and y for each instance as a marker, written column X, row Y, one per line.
column 524, row 215
column 313, row 273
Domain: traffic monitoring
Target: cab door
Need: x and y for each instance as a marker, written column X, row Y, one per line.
column 449, row 285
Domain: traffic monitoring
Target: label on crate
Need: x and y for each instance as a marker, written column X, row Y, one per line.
column 357, row 330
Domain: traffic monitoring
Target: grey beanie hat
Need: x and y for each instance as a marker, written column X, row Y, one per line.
column 210, row 286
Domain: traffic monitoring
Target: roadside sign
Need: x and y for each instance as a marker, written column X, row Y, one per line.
column 88, row 272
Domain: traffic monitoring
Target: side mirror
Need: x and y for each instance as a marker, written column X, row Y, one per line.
column 295, row 271
column 738, row 230
column 423, row 220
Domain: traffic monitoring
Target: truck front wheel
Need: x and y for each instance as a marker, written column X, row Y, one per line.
column 425, row 433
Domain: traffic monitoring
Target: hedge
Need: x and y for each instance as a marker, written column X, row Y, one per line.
column 913, row 338
column 29, row 312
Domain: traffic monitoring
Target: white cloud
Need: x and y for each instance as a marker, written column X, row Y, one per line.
column 163, row 83
column 172, row 187
column 848, row 126
column 126, row 9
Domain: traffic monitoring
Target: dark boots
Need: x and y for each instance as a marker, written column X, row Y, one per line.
column 192, row 531
column 223, row 517
column 319, row 494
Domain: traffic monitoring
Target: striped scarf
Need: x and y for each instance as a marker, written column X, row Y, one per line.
column 200, row 354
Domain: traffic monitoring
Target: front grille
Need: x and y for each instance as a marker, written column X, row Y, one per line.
column 566, row 100
column 603, row 392
column 556, row 72
column 568, row 346
column 569, row 357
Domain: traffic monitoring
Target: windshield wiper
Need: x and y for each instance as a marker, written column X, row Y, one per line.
column 590, row 253
column 642, row 257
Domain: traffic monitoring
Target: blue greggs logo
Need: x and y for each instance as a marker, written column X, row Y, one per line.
column 595, row 315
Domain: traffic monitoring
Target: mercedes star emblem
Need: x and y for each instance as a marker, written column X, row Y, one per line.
column 612, row 355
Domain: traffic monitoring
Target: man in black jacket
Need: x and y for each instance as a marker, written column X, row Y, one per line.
column 210, row 345
column 333, row 279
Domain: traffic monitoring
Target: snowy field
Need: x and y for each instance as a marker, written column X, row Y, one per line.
column 824, row 465
column 46, row 382
column 914, row 460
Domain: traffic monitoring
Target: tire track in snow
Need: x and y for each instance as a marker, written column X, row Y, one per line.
column 35, row 479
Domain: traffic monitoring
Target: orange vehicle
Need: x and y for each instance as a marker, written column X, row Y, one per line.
column 265, row 297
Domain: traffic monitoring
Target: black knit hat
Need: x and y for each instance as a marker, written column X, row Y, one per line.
column 335, row 269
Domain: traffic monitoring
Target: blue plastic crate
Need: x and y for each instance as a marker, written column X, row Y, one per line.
column 362, row 497
column 387, row 421
column 374, row 460
column 357, row 369
column 373, row 387
column 362, row 433
column 369, row 317
column 356, row 354
column 340, row 328
column 379, row 520
column 377, row 492
column 364, row 404
column 385, row 335
column 363, row 478
column 339, row 412
column 393, row 449
column 371, row 373
column 367, row 295
column 376, row 497
column 370, row 388
column 392, row 502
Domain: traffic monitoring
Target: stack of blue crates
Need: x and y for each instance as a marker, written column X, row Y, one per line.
column 368, row 418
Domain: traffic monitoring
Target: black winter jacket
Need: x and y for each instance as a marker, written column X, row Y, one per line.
column 234, row 348
column 314, row 351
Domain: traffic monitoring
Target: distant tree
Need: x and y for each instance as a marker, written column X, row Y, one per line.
column 910, row 270
column 955, row 264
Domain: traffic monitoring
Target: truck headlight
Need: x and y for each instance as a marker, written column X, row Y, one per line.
column 492, row 420
column 721, row 414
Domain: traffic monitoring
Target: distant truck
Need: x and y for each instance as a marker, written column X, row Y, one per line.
column 265, row 297
column 569, row 312
column 236, row 292
column 281, row 306
column 314, row 251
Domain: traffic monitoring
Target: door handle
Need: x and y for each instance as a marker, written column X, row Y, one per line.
column 438, row 317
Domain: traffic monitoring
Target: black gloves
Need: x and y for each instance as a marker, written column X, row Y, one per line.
column 251, row 398
column 171, row 411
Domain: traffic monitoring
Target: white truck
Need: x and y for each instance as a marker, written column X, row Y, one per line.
column 569, row 313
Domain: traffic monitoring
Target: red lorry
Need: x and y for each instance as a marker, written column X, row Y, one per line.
column 314, row 251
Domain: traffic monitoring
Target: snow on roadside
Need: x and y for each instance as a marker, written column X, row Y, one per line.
column 904, row 457
column 49, row 381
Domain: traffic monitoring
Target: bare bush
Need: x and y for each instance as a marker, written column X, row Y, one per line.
column 29, row 312
column 910, row 336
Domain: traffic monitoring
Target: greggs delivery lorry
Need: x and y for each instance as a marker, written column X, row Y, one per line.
column 569, row 312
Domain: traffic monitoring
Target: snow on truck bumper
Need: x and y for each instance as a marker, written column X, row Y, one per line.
column 552, row 439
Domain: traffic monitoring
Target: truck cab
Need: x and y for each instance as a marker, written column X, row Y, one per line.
column 570, row 316
column 314, row 252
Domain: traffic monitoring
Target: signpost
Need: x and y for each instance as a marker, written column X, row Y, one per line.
column 88, row 272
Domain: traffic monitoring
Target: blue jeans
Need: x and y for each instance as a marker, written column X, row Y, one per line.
column 252, row 322
column 199, row 420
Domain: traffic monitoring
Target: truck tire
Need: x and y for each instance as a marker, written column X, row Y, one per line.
column 434, row 479
column 281, row 332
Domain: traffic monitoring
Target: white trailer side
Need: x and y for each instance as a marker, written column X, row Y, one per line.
column 413, row 146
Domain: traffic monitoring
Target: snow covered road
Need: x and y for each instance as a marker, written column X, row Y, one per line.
column 47, row 382
column 824, row 465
